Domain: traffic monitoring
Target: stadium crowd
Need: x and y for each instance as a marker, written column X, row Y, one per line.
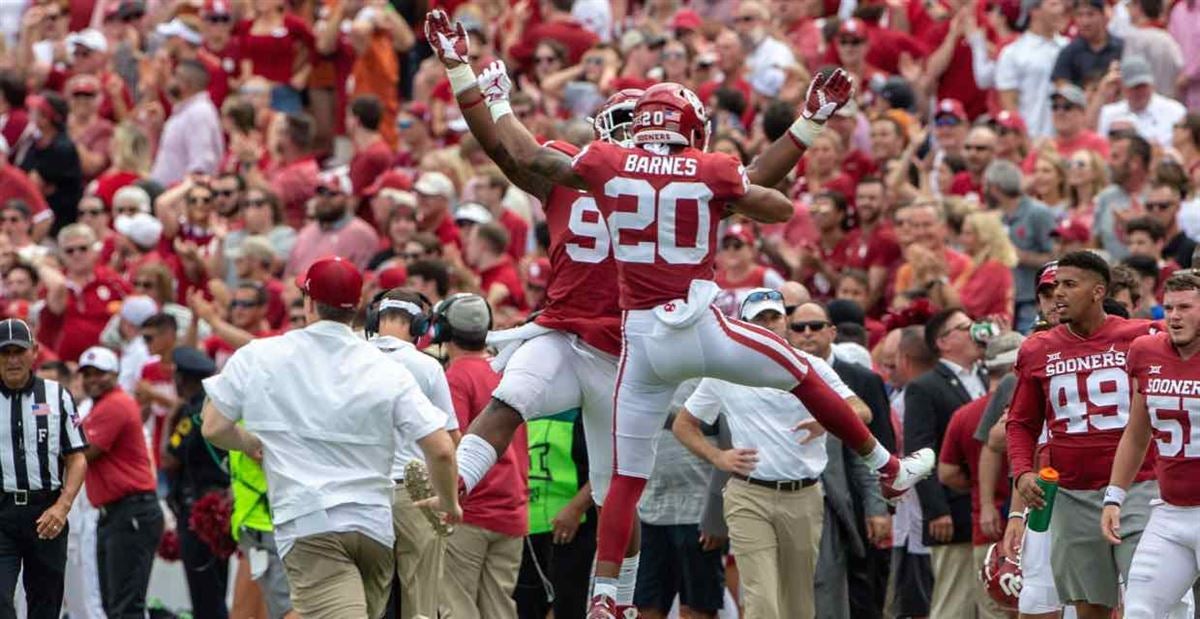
column 168, row 167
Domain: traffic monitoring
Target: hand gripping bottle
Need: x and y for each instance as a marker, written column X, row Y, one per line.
column 1039, row 519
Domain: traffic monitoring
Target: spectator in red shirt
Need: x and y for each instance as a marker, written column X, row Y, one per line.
column 246, row 322
column 852, row 44
column 490, row 190
column 485, row 252
column 435, row 196
column 121, row 483
column 980, row 150
column 90, row 56
column 557, row 25
column 90, row 133
column 1012, row 137
column 483, row 556
column 372, row 155
column 81, row 299
column 984, row 289
column 278, row 46
column 220, row 48
column 874, row 249
column 293, row 173
column 16, row 184
column 958, row 464
column 1068, row 111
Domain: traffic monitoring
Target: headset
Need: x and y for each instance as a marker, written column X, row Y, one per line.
column 439, row 321
column 418, row 323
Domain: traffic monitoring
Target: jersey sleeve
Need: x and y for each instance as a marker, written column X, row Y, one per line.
column 705, row 403
column 1026, row 415
column 594, row 164
column 725, row 176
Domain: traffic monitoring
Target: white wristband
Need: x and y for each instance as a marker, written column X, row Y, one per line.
column 1114, row 495
column 805, row 130
column 499, row 109
column 461, row 77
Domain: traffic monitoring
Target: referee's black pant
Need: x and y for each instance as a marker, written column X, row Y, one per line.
column 44, row 560
column 126, row 540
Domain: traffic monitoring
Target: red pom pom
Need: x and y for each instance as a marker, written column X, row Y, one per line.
column 168, row 545
column 210, row 522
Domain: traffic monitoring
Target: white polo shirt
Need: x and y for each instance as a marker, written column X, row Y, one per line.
column 1025, row 66
column 1156, row 123
column 328, row 408
column 762, row 418
column 431, row 378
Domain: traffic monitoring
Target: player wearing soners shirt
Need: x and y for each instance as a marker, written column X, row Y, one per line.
column 568, row 359
column 1073, row 377
column 1166, row 405
column 662, row 201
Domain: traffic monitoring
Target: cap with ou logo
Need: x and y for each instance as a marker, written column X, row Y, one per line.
column 100, row 358
column 15, row 332
column 332, row 280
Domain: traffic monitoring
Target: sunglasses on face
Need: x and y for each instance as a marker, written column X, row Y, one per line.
column 977, row 147
column 91, row 212
column 219, row 19
column 674, row 55
column 243, row 303
column 1159, row 206
column 741, row 19
column 947, row 121
column 144, row 284
column 816, row 326
column 255, row 203
column 412, row 255
column 404, row 123
column 732, row 244
column 227, row 193
column 326, row 192
column 82, row 94
column 77, row 249
column 1062, row 107
column 850, row 41
column 764, row 295
column 962, row 327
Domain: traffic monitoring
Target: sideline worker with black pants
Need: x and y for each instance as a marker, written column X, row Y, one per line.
column 120, row 482
column 41, row 438
column 195, row 468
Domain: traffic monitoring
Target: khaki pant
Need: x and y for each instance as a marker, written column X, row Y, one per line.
column 344, row 575
column 985, row 606
column 953, row 581
column 481, row 574
column 420, row 554
column 775, row 537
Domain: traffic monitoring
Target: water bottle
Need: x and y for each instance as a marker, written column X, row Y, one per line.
column 1039, row 519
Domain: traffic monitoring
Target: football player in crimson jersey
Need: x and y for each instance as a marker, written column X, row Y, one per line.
column 1166, row 406
column 1073, row 379
column 569, row 360
column 661, row 202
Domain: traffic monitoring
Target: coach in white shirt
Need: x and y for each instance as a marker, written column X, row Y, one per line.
column 322, row 409
column 773, row 505
column 399, row 317
column 1153, row 115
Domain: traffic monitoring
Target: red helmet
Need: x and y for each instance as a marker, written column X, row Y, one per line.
column 669, row 113
column 616, row 113
column 1001, row 577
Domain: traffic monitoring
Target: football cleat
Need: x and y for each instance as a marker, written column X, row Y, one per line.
column 898, row 475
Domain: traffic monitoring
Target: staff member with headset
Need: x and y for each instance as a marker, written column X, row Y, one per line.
column 395, row 319
column 41, row 438
column 120, row 482
column 321, row 408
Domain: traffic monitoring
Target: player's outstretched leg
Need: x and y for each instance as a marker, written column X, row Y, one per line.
column 489, row 435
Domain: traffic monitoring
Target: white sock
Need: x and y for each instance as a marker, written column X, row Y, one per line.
column 606, row 587
column 627, row 581
column 876, row 459
column 475, row 458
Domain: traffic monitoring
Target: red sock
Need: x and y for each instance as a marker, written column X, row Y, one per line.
column 616, row 519
column 831, row 411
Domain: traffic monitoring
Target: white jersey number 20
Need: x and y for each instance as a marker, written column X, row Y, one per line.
column 661, row 205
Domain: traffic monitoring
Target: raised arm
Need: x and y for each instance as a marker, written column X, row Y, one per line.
column 763, row 205
column 827, row 92
column 451, row 45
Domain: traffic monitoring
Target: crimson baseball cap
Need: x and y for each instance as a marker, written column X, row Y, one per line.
column 1011, row 121
column 741, row 232
column 953, row 107
column 332, row 280
column 1072, row 230
column 217, row 8
column 1049, row 275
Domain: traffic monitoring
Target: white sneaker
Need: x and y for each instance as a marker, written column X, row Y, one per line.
column 898, row 475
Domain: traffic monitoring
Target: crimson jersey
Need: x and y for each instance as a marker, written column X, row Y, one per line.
column 1085, row 384
column 1172, row 391
column 581, row 296
column 662, row 213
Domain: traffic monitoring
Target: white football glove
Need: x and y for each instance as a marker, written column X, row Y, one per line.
column 496, row 87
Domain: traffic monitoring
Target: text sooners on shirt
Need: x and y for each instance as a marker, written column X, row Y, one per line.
column 1171, row 386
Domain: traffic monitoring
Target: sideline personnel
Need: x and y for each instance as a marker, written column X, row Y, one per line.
column 41, row 485
column 320, row 405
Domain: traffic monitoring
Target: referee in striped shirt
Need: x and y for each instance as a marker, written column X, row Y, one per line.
column 42, row 466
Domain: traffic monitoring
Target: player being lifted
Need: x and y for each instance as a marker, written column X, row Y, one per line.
column 1165, row 384
column 661, row 201
column 568, row 359
column 1073, row 378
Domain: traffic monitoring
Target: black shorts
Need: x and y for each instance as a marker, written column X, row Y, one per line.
column 913, row 578
column 672, row 562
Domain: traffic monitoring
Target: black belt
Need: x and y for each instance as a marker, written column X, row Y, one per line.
column 781, row 486
column 25, row 497
column 141, row 497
